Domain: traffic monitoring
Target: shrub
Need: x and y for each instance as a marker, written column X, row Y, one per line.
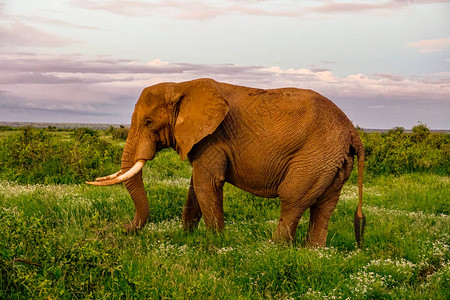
column 37, row 156
column 118, row 133
column 34, row 156
column 420, row 133
column 6, row 128
column 397, row 152
column 83, row 132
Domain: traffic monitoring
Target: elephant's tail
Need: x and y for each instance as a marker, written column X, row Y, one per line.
column 360, row 220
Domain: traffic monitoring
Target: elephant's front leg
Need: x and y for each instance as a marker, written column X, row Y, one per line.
column 191, row 212
column 208, row 178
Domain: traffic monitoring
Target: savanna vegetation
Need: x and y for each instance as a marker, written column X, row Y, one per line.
column 62, row 239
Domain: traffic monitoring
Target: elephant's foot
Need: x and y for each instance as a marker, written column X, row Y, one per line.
column 191, row 217
column 190, row 225
column 214, row 223
column 283, row 234
column 134, row 226
column 316, row 242
column 317, row 232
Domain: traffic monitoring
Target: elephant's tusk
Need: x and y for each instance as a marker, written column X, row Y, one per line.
column 121, row 178
column 112, row 176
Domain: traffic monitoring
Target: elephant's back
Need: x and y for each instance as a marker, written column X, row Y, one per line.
column 274, row 111
column 284, row 119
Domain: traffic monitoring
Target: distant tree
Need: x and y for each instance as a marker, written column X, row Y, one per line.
column 83, row 132
column 420, row 133
column 6, row 128
column 120, row 133
column 110, row 130
column 396, row 130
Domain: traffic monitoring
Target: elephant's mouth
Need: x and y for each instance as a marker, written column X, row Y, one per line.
column 120, row 176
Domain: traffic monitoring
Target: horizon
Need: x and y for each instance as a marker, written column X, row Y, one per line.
column 386, row 64
column 43, row 125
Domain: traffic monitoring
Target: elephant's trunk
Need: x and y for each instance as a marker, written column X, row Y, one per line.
column 135, row 184
column 131, row 175
column 135, row 187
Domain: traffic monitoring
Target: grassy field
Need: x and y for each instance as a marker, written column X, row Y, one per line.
column 67, row 241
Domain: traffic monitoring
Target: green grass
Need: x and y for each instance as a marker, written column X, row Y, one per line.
column 67, row 241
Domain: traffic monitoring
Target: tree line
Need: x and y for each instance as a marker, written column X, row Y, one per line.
column 37, row 156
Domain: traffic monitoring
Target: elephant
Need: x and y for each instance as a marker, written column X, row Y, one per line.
column 290, row 143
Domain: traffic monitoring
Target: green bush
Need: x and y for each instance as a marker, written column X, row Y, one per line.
column 397, row 152
column 84, row 132
column 120, row 133
column 38, row 156
column 6, row 128
column 34, row 156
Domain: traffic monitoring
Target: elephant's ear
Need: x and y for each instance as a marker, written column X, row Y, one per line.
column 201, row 109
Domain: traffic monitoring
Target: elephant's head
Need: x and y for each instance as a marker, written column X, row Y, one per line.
column 176, row 115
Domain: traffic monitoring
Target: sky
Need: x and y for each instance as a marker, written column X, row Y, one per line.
column 385, row 63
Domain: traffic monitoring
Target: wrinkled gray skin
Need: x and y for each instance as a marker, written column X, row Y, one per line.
column 288, row 143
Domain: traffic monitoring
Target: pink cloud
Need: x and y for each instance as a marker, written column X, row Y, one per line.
column 347, row 7
column 129, row 8
column 58, row 22
column 204, row 10
column 193, row 10
column 104, row 87
column 435, row 45
column 103, row 72
column 385, row 86
column 355, row 7
column 392, row 77
column 19, row 34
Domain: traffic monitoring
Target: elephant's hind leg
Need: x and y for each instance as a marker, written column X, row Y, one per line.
column 319, row 218
column 321, row 211
column 287, row 225
column 296, row 197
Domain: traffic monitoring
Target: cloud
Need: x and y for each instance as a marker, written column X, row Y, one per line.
column 22, row 104
column 334, row 7
column 128, row 8
column 357, row 7
column 435, row 45
column 64, row 68
column 16, row 33
column 88, row 86
column 389, row 76
column 204, row 10
column 73, row 64
column 194, row 10
column 56, row 22
column 357, row 86
column 36, row 69
column 108, row 87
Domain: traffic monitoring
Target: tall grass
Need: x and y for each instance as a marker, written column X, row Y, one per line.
column 66, row 241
